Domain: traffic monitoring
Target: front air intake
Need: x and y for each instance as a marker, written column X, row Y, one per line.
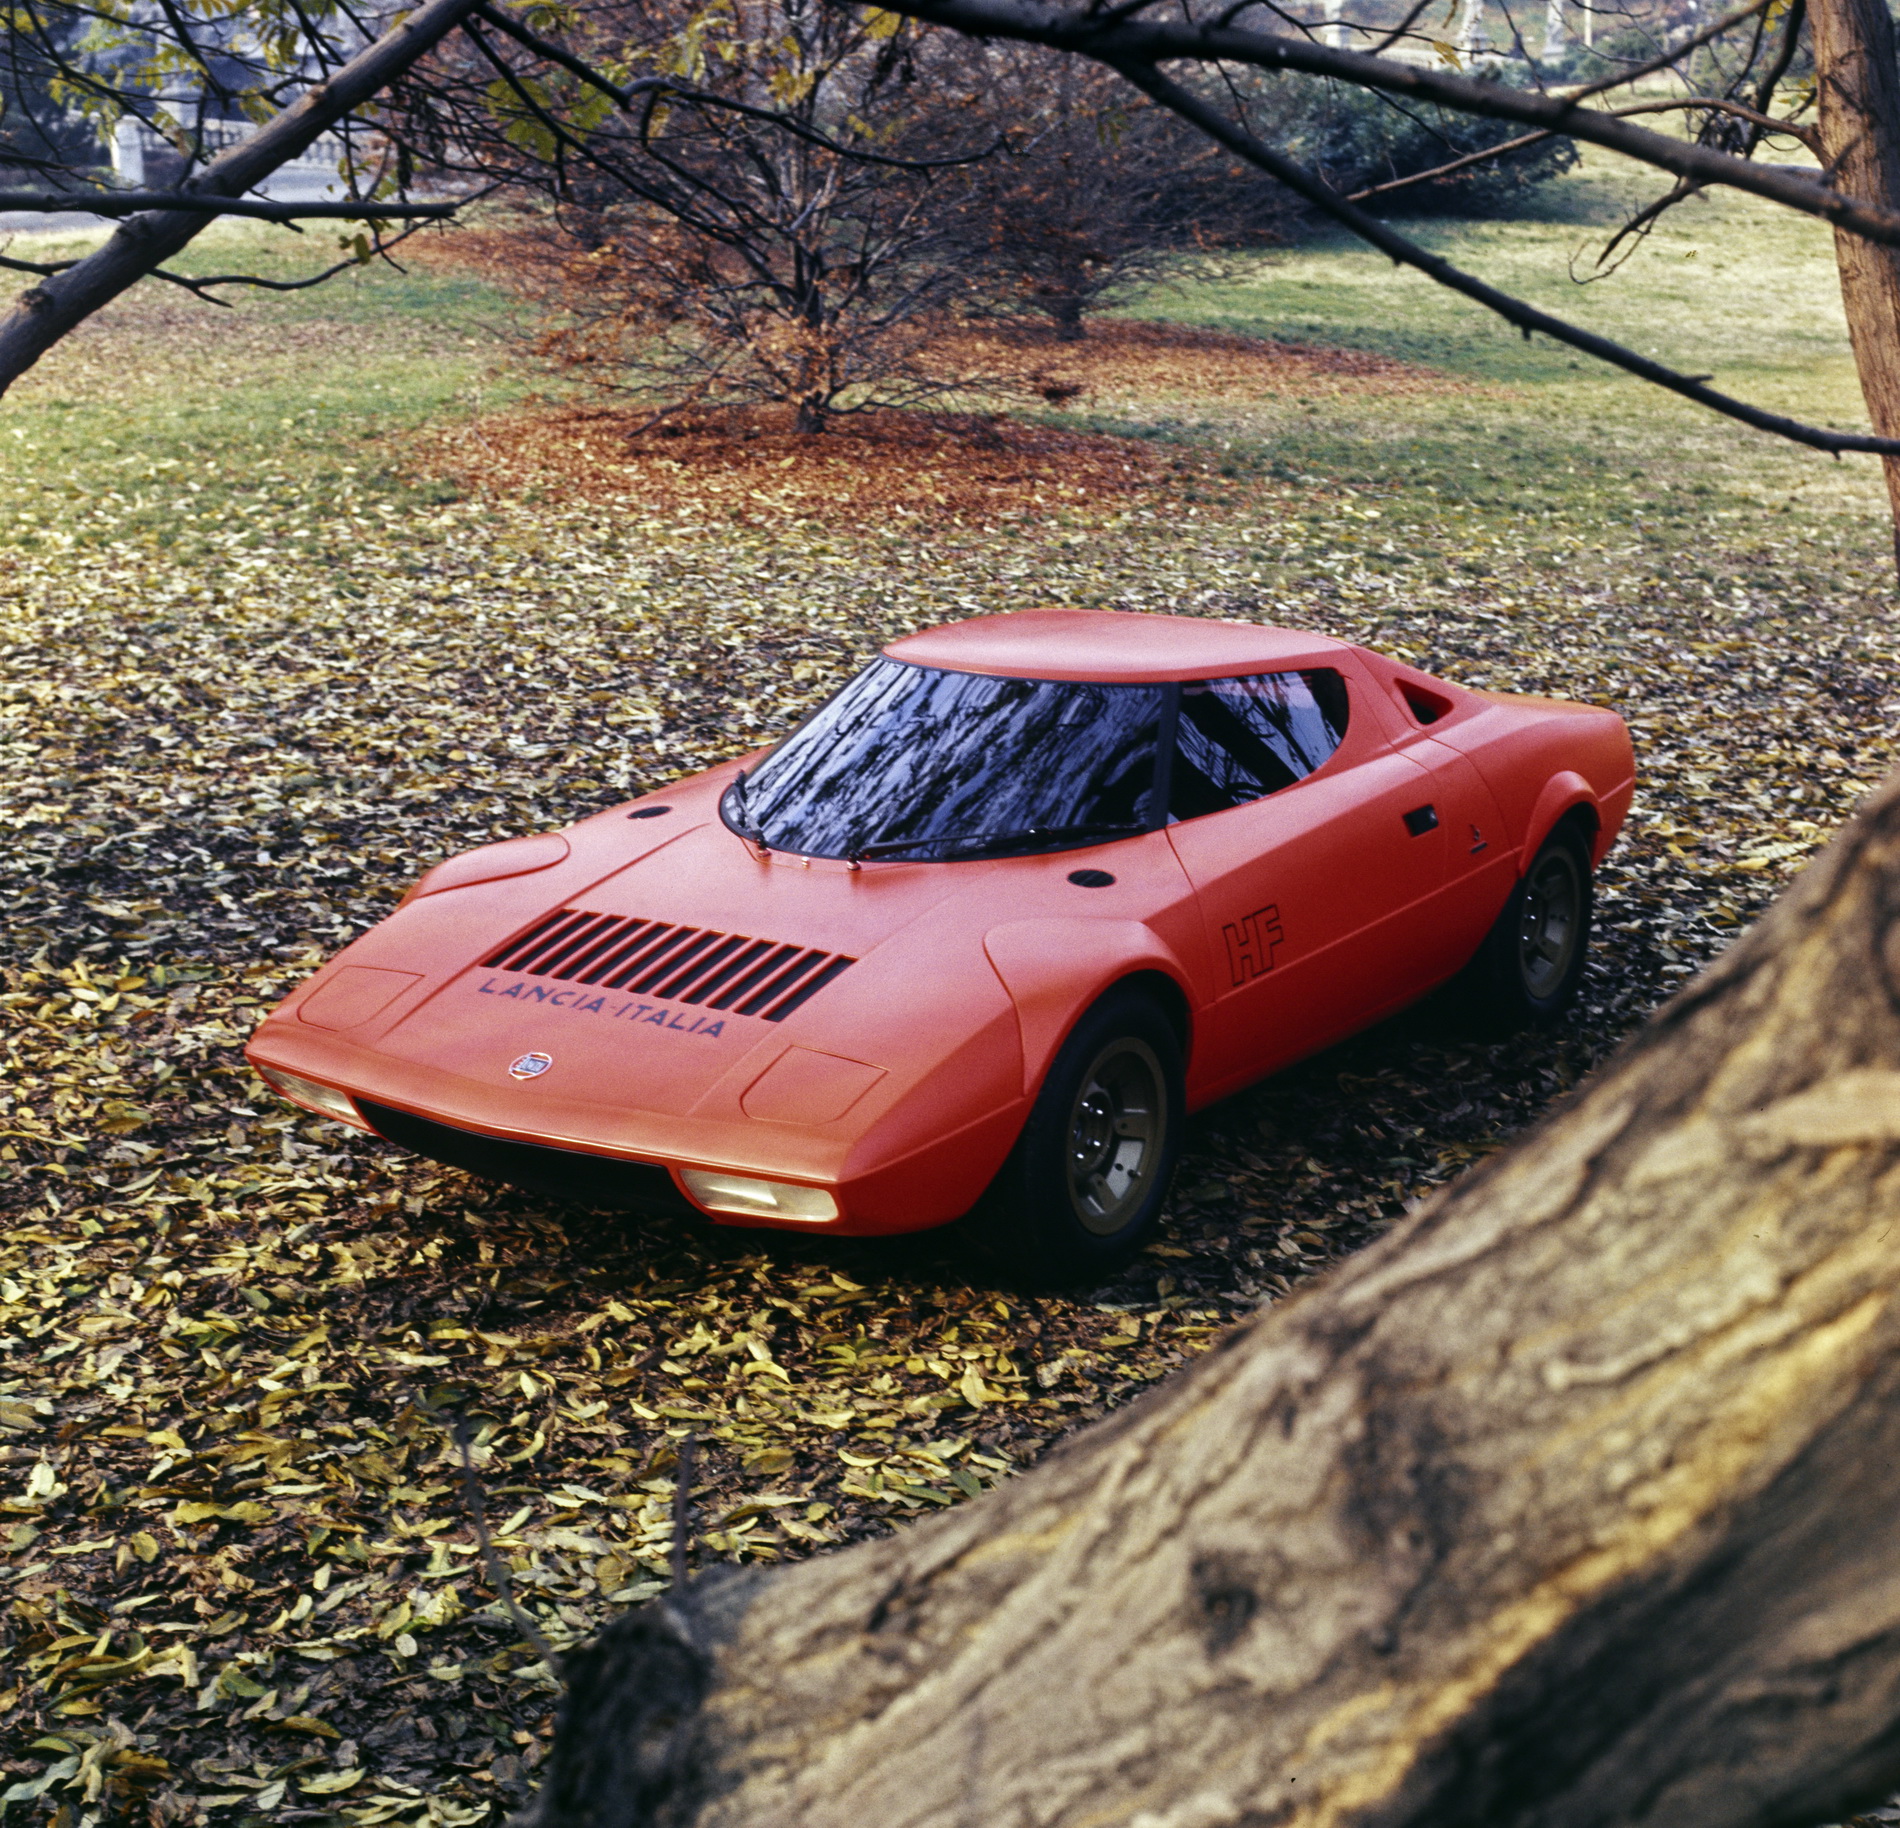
column 750, row 977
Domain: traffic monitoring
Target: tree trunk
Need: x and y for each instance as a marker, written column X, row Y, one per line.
column 1066, row 311
column 1570, row 1503
column 44, row 313
column 1857, row 78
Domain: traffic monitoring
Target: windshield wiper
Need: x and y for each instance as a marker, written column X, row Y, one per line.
column 884, row 847
column 743, row 824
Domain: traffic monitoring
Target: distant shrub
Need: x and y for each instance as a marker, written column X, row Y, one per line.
column 1355, row 139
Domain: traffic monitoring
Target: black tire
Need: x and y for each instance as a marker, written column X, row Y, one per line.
column 1527, row 971
column 1081, row 1192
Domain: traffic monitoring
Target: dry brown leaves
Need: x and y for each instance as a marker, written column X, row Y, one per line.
column 751, row 465
column 955, row 467
column 1134, row 362
column 243, row 1586
column 960, row 467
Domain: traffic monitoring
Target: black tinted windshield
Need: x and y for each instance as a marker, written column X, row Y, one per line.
column 910, row 762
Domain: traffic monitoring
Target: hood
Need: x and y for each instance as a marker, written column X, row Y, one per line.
column 647, row 984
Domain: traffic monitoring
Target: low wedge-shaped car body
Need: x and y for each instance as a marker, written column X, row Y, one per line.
column 976, row 936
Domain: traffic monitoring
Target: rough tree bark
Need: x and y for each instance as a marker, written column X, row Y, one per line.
column 1572, row 1502
column 44, row 313
column 1857, row 83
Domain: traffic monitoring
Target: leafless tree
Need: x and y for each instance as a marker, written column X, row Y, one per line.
column 546, row 100
column 777, row 227
column 1092, row 194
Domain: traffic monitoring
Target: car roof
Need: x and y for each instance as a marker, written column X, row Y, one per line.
column 1112, row 646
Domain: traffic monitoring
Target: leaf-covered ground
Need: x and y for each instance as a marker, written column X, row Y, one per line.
column 242, row 1583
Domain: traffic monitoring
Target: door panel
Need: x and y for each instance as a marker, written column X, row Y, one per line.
column 1480, row 863
column 1308, row 897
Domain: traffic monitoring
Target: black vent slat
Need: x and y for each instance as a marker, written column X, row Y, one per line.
column 748, row 955
column 780, row 982
column 657, row 965
column 518, row 951
column 590, row 948
column 764, row 968
column 751, row 977
column 808, row 989
column 651, row 943
column 525, row 940
column 613, row 952
column 597, row 945
column 678, row 989
column 532, row 958
column 693, row 958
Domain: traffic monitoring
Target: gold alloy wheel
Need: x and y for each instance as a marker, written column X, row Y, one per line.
column 1116, row 1128
column 1550, row 922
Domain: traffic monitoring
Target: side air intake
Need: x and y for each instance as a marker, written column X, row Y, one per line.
column 750, row 977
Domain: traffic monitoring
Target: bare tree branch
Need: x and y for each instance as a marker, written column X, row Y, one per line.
column 46, row 312
column 1480, row 157
column 1150, row 43
column 131, row 202
column 1717, row 105
column 1528, row 318
column 379, row 249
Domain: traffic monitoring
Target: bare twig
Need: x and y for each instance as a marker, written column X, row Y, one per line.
column 1719, row 105
column 1635, row 232
column 44, row 269
column 497, row 1571
column 1527, row 318
column 1445, row 171
column 379, row 247
column 1149, row 43
column 131, row 202
column 1403, row 29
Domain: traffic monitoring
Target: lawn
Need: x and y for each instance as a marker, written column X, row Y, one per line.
column 299, row 597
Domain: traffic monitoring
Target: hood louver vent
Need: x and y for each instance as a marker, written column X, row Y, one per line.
column 750, row 977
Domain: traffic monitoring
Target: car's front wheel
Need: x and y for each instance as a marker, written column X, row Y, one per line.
column 1532, row 961
column 1082, row 1190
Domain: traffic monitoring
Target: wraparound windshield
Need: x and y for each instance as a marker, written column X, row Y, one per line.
column 911, row 762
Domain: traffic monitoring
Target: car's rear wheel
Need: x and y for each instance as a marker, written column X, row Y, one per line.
column 1082, row 1190
column 1532, row 961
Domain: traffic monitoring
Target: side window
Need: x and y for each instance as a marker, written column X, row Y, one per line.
column 1241, row 739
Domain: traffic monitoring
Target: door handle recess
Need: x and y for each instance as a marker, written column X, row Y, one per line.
column 1421, row 819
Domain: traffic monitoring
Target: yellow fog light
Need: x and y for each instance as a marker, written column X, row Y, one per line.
column 765, row 1199
column 325, row 1100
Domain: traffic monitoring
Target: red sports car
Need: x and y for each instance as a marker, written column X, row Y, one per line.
column 976, row 936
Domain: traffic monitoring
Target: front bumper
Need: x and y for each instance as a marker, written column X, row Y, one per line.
column 642, row 1163
column 562, row 1174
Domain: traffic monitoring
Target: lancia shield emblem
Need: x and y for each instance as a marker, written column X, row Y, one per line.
column 530, row 1066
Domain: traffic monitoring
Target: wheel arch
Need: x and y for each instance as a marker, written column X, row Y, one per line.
column 1038, row 963
column 1172, row 999
column 1567, row 798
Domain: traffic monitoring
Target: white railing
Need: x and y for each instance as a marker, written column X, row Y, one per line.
column 133, row 143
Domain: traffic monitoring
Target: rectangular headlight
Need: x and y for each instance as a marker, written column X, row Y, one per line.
column 764, row 1199
column 325, row 1100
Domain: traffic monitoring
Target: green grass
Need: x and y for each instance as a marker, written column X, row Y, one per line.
column 170, row 421
column 1726, row 285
